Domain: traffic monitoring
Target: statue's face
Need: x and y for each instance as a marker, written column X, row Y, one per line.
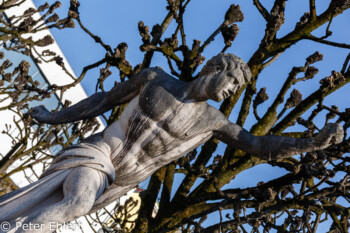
column 224, row 83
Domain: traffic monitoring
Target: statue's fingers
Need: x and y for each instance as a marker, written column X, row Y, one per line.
column 340, row 134
column 337, row 134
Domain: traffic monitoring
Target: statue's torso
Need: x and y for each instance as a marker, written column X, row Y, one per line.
column 157, row 127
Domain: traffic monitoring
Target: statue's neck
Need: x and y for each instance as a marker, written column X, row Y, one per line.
column 196, row 90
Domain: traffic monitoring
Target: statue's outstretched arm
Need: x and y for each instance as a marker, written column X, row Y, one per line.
column 277, row 147
column 87, row 108
column 96, row 104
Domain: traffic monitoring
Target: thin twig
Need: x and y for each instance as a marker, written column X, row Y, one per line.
column 82, row 75
column 346, row 63
column 173, row 72
column 148, row 56
column 269, row 62
column 312, row 9
column 335, row 44
column 96, row 38
column 210, row 39
column 262, row 10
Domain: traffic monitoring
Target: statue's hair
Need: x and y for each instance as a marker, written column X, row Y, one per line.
column 226, row 61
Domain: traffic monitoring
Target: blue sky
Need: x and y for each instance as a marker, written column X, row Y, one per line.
column 115, row 21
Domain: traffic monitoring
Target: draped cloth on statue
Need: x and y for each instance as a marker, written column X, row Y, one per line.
column 92, row 152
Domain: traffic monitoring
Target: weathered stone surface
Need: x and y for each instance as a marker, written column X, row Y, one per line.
column 165, row 119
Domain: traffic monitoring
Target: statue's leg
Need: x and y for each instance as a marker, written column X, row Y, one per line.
column 79, row 190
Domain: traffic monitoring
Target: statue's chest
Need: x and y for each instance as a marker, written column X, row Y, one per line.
column 159, row 126
column 165, row 125
column 146, row 134
column 182, row 122
column 173, row 115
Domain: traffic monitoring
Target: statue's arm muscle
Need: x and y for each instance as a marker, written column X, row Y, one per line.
column 276, row 147
column 96, row 104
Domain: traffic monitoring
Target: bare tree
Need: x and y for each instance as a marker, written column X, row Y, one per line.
column 18, row 89
column 279, row 205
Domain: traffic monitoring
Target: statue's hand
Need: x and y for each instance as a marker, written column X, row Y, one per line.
column 39, row 113
column 331, row 134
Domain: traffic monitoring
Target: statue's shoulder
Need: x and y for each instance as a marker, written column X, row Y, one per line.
column 213, row 116
column 154, row 78
column 152, row 73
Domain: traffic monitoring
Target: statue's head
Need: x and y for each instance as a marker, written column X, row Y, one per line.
column 227, row 73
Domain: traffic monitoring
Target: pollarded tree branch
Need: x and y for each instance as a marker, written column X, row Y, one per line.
column 276, row 20
column 164, row 202
column 9, row 4
column 335, row 8
column 73, row 13
column 270, row 117
column 148, row 200
column 280, row 45
column 232, row 15
column 228, row 171
column 256, row 68
column 306, row 104
column 206, row 152
column 156, row 38
column 233, row 162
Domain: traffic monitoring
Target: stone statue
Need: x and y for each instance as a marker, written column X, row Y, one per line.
column 165, row 119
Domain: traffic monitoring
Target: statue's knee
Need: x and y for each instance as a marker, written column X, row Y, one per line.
column 81, row 206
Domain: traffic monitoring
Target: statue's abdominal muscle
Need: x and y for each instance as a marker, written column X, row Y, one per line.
column 147, row 144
